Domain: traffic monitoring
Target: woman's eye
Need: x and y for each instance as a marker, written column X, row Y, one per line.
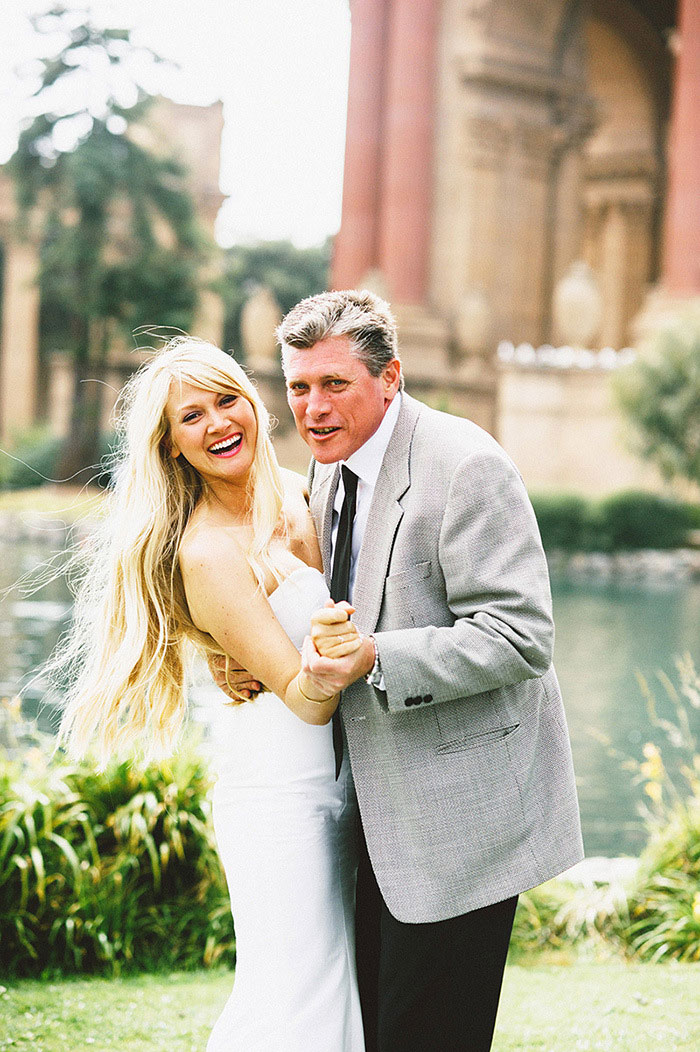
column 189, row 417
column 228, row 399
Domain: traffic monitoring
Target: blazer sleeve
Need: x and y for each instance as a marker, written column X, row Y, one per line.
column 497, row 590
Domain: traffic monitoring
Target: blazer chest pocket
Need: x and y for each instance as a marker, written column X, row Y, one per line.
column 412, row 575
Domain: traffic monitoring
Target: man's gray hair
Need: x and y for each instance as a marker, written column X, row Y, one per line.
column 364, row 318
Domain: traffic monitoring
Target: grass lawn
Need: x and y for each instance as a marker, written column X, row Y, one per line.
column 606, row 1007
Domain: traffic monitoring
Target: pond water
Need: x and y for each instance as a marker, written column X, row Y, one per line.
column 605, row 634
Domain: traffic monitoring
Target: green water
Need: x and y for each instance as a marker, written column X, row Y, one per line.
column 604, row 634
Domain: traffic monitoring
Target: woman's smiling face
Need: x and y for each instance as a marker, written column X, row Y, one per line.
column 214, row 431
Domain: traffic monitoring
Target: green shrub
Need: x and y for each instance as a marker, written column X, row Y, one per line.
column 31, row 461
column 563, row 519
column 631, row 519
column 635, row 519
column 693, row 514
column 34, row 459
column 107, row 872
column 664, row 905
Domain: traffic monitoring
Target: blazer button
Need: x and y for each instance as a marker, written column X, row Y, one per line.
column 428, row 697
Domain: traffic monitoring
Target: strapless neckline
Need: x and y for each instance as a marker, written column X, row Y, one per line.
column 300, row 570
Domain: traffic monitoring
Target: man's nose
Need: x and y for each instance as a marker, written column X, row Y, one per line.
column 317, row 403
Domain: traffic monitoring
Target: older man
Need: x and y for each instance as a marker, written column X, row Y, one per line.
column 452, row 716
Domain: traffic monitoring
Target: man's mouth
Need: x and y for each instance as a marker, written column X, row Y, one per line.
column 323, row 432
column 227, row 446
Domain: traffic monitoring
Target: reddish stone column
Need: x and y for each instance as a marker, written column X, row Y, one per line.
column 355, row 249
column 682, row 234
column 407, row 170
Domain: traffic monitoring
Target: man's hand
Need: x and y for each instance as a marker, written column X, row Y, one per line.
column 236, row 683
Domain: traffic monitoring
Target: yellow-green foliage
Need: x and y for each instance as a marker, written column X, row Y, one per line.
column 105, row 872
column 664, row 906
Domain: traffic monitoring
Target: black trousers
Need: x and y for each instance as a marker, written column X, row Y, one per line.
column 428, row 987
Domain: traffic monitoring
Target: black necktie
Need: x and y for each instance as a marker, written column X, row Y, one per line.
column 340, row 579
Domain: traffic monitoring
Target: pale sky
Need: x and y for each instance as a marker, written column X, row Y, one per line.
column 279, row 66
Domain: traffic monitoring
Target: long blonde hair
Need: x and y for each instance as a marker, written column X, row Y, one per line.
column 127, row 653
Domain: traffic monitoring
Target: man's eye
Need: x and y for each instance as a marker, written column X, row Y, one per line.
column 296, row 388
column 337, row 383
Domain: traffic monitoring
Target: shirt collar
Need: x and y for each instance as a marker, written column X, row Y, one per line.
column 366, row 462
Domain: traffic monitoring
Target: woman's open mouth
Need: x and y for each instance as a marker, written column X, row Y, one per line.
column 227, row 447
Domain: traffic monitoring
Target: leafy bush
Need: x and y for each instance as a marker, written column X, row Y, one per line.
column 564, row 520
column 664, row 906
column 31, row 461
column 106, row 872
column 631, row 519
column 635, row 519
column 660, row 395
column 34, row 460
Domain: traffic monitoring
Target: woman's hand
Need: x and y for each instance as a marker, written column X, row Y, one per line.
column 333, row 633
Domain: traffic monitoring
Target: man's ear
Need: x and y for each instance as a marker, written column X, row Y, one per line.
column 391, row 378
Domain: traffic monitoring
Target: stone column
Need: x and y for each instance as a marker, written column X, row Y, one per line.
column 681, row 267
column 19, row 350
column 355, row 250
column 407, row 169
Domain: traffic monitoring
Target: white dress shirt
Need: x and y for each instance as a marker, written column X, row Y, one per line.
column 366, row 463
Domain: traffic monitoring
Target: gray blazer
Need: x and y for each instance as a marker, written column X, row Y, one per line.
column 463, row 767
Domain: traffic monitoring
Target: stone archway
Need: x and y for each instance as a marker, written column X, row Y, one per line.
column 624, row 160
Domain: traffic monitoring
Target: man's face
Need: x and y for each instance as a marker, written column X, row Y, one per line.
column 337, row 403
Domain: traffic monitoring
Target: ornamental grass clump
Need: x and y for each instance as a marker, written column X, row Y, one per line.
column 664, row 905
column 108, row 872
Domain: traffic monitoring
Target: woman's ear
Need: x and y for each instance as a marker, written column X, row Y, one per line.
column 170, row 447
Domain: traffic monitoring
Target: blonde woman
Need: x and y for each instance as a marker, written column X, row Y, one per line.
column 209, row 543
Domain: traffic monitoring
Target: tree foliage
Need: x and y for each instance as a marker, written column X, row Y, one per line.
column 290, row 273
column 120, row 245
column 660, row 395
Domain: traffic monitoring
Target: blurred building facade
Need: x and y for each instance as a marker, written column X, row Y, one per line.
column 493, row 148
column 193, row 134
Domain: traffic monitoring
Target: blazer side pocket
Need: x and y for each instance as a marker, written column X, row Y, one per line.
column 473, row 741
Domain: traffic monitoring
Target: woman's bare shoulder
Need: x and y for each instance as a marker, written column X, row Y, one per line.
column 295, row 484
column 207, row 546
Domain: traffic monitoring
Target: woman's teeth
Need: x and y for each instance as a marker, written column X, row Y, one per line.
column 227, row 445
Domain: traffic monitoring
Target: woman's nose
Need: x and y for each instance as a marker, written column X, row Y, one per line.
column 217, row 420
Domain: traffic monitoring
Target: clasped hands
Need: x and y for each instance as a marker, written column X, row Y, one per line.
column 333, row 656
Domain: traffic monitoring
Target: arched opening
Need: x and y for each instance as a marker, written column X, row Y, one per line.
column 624, row 160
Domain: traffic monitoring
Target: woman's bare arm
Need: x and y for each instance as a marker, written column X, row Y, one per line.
column 226, row 602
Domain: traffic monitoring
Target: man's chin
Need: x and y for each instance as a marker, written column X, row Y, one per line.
column 323, row 453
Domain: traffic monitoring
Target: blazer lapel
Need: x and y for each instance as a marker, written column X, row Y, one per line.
column 384, row 517
column 325, row 485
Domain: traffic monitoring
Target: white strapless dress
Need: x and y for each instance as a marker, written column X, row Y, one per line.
column 285, row 832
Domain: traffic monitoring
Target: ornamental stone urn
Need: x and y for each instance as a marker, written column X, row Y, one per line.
column 577, row 306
